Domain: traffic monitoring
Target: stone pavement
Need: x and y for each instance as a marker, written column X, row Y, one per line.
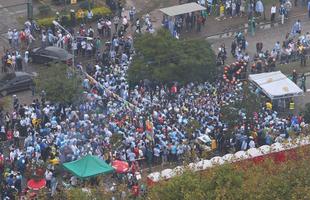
column 10, row 11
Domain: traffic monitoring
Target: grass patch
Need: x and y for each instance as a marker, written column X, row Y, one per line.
column 21, row 19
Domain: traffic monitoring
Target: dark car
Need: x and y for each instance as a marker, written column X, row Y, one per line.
column 15, row 82
column 50, row 54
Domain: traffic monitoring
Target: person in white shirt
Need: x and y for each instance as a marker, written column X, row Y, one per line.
column 74, row 47
column 13, row 58
column 30, row 40
column 10, row 36
column 90, row 15
column 273, row 12
column 89, row 48
column 83, row 44
column 16, row 138
column 43, row 39
column 100, row 28
column 108, row 27
column 48, row 178
column 15, row 38
column 251, row 143
column 125, row 23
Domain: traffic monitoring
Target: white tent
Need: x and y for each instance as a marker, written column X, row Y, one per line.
column 275, row 85
column 182, row 9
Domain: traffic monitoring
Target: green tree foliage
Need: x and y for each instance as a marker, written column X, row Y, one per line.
column 249, row 104
column 162, row 59
column 61, row 83
column 307, row 113
column 268, row 180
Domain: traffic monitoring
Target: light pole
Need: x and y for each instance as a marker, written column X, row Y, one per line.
column 71, row 36
column 29, row 9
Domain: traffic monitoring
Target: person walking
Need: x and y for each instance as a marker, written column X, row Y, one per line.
column 302, row 55
column 303, row 82
column 259, row 8
column 294, row 76
column 282, row 11
column 116, row 22
column 273, row 12
column 10, row 36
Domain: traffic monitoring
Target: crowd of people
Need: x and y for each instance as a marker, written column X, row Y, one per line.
column 295, row 47
column 152, row 124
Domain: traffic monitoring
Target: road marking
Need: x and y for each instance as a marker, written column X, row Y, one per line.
column 5, row 9
column 18, row 12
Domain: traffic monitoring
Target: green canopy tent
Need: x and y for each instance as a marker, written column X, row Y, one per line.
column 88, row 166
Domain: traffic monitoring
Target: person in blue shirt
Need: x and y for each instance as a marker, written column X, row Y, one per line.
column 173, row 150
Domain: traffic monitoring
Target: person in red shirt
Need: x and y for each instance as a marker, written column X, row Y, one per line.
column 174, row 89
column 135, row 190
column 9, row 135
column 1, row 163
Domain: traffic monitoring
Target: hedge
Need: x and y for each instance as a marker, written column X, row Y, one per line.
column 46, row 22
column 98, row 13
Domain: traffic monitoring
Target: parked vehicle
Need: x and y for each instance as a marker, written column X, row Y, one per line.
column 50, row 54
column 15, row 82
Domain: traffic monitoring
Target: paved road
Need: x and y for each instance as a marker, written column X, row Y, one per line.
column 10, row 11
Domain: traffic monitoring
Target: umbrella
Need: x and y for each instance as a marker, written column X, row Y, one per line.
column 36, row 185
column 120, row 166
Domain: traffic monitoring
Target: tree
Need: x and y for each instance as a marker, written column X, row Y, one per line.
column 249, row 104
column 60, row 83
column 163, row 59
column 307, row 113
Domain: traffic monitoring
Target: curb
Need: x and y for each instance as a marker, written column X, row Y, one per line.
column 259, row 26
column 244, row 29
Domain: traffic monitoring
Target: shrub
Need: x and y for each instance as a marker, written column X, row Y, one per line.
column 66, row 18
column 101, row 11
column 44, row 10
column 307, row 113
column 46, row 22
column 86, row 5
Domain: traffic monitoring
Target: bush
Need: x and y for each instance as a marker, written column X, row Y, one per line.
column 307, row 113
column 66, row 19
column 44, row 10
column 46, row 22
column 101, row 11
column 85, row 5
